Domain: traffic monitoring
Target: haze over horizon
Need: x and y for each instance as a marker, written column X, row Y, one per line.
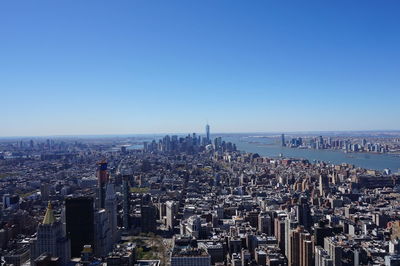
column 261, row 133
column 132, row 67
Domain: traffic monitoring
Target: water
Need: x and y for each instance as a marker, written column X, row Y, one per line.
column 270, row 148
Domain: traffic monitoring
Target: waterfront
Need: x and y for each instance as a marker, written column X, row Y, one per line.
column 267, row 146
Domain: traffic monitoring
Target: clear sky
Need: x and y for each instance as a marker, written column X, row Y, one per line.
column 120, row 67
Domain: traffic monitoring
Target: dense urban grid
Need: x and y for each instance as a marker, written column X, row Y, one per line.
column 191, row 200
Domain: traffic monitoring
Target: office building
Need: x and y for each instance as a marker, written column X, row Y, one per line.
column 126, row 202
column 102, row 177
column 148, row 218
column 45, row 192
column 170, row 211
column 102, row 243
column 111, row 209
column 79, row 219
column 50, row 239
column 208, row 133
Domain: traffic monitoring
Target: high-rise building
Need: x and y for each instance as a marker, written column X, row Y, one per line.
column 111, row 209
column 45, row 191
column 101, row 233
column 295, row 247
column 306, row 249
column 217, row 143
column 334, row 250
column 102, row 177
column 208, row 133
column 364, row 142
column 50, row 239
column 126, row 203
column 265, row 223
column 170, row 211
column 260, row 257
column 283, row 140
column 290, row 225
column 148, row 218
column 323, row 184
column 303, row 215
column 301, row 248
column 79, row 218
column 279, row 230
column 322, row 257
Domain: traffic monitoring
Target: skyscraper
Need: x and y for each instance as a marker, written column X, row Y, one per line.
column 79, row 218
column 111, row 209
column 50, row 239
column 126, row 202
column 208, row 133
column 101, row 233
column 45, row 191
column 148, row 218
column 170, row 210
column 283, row 140
column 102, row 177
column 323, row 184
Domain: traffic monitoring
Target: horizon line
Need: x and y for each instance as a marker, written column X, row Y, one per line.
column 186, row 133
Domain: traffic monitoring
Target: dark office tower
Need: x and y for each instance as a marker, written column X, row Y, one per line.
column 303, row 215
column 79, row 218
column 148, row 218
column 208, row 133
column 320, row 232
column 283, row 140
column 265, row 223
column 126, row 203
column 45, row 191
column 102, row 177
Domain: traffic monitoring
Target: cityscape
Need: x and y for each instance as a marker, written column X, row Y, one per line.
column 190, row 200
column 199, row 133
column 372, row 145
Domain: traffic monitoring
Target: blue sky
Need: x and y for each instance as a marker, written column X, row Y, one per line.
column 120, row 67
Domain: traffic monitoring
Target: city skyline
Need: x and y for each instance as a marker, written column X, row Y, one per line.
column 139, row 67
column 201, row 133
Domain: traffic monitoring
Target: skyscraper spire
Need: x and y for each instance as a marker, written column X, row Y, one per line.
column 49, row 216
